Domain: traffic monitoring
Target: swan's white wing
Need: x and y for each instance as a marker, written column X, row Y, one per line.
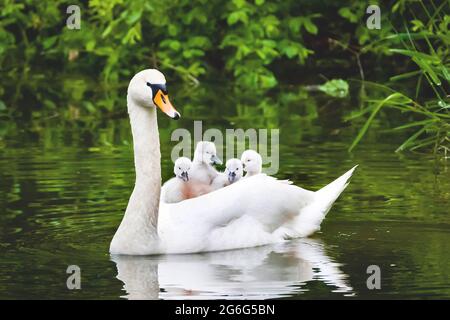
column 265, row 202
column 261, row 196
column 253, row 211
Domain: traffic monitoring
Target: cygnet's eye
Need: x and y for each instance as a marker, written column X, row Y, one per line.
column 248, row 160
column 179, row 168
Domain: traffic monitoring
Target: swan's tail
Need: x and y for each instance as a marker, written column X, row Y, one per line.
column 328, row 194
column 309, row 219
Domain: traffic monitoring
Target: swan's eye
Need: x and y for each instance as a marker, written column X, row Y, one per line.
column 149, row 84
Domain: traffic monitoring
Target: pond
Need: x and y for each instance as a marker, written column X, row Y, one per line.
column 65, row 185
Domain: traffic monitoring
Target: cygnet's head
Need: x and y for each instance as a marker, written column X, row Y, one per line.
column 148, row 89
column 182, row 167
column 252, row 162
column 234, row 170
column 206, row 152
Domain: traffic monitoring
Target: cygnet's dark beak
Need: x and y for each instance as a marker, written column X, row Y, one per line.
column 215, row 160
column 185, row 176
column 231, row 177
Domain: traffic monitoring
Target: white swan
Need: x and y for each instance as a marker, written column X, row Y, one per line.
column 233, row 173
column 242, row 215
column 252, row 162
column 174, row 190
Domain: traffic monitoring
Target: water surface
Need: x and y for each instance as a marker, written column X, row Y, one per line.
column 65, row 185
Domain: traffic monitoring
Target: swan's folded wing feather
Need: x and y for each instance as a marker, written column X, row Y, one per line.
column 286, row 181
column 261, row 196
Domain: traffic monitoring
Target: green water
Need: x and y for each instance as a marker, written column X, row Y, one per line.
column 65, row 184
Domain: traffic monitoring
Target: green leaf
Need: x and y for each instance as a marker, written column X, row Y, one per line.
column 237, row 16
column 133, row 17
column 268, row 81
column 336, row 88
column 427, row 68
column 414, row 124
column 405, row 75
column 290, row 51
column 90, row 45
column 239, row 3
column 107, row 30
column 295, row 24
column 49, row 42
column 89, row 106
column 347, row 13
column 418, row 55
column 310, row 26
column 411, row 139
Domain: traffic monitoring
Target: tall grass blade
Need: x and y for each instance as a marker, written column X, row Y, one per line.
column 376, row 109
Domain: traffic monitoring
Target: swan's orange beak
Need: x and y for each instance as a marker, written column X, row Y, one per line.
column 163, row 102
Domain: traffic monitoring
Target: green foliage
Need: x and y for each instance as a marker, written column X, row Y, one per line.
column 180, row 35
column 258, row 34
column 428, row 48
column 254, row 45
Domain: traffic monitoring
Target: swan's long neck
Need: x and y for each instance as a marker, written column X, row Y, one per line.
column 147, row 156
column 138, row 229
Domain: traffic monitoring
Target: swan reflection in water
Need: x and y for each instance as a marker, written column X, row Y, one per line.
column 265, row 272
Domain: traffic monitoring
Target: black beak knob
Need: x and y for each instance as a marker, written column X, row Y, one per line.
column 176, row 116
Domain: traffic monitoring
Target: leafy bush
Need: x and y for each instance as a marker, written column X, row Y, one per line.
column 253, row 44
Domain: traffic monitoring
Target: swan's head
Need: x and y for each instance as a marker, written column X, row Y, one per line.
column 182, row 167
column 148, row 89
column 252, row 162
column 206, row 152
column 233, row 170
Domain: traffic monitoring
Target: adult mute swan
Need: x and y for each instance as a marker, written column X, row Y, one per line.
column 244, row 214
